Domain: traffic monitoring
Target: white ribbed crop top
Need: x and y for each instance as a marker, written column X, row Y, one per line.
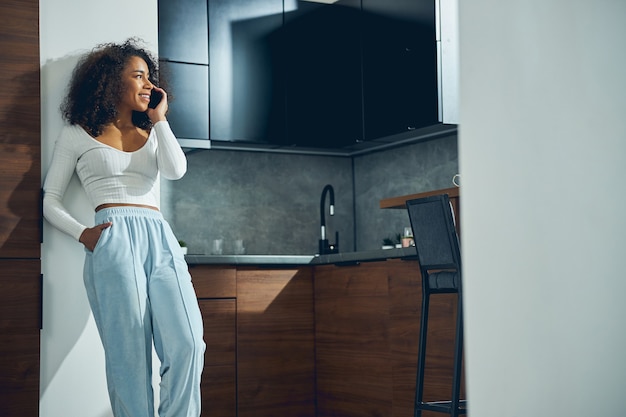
column 107, row 174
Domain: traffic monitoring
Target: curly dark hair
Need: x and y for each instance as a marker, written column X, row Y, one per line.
column 96, row 86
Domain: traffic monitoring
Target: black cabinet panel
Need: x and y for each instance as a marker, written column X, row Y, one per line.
column 399, row 66
column 189, row 110
column 323, row 75
column 184, row 31
column 247, row 99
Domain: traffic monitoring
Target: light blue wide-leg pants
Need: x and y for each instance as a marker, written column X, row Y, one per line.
column 140, row 291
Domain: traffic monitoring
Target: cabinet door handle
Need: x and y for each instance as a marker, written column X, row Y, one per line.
column 40, row 301
column 41, row 216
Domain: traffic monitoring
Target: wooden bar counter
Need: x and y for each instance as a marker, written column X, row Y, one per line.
column 454, row 194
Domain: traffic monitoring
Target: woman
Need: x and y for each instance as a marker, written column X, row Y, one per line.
column 137, row 281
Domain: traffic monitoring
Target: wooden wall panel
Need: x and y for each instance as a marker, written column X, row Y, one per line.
column 19, row 373
column 20, row 319
column 20, row 167
column 20, row 208
column 20, row 295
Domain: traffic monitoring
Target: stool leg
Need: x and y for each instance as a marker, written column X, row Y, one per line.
column 421, row 357
column 458, row 359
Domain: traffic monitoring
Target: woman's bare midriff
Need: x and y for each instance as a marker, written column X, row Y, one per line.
column 109, row 205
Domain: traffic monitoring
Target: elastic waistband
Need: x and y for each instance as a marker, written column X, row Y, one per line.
column 109, row 212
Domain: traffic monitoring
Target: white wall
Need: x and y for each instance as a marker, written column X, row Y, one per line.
column 72, row 360
column 543, row 160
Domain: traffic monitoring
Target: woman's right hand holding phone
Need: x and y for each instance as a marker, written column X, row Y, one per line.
column 158, row 105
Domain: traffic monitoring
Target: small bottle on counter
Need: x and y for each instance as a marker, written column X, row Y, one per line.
column 407, row 237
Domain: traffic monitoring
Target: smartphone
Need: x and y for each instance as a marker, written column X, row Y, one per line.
column 155, row 99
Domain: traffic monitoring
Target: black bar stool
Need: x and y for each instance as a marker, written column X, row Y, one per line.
column 439, row 258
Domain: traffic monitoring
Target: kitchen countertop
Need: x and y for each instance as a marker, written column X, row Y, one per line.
column 346, row 258
column 249, row 259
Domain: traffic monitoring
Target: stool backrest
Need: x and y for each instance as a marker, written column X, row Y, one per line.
column 434, row 234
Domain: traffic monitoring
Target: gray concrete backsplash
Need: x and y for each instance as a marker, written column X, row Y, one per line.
column 416, row 168
column 271, row 201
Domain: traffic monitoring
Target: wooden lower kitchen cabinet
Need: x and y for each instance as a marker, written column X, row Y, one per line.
column 259, row 332
column 219, row 389
column 320, row 341
column 216, row 291
column 367, row 329
column 275, row 342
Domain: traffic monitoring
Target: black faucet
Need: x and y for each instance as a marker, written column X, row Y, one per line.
column 325, row 246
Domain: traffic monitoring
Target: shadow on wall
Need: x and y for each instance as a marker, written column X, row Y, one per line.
column 19, row 155
column 19, row 214
column 66, row 310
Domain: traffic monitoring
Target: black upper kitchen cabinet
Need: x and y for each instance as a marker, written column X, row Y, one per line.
column 399, row 66
column 246, row 96
column 189, row 110
column 323, row 75
column 301, row 73
column 184, row 59
column 184, row 31
column 359, row 70
column 284, row 77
